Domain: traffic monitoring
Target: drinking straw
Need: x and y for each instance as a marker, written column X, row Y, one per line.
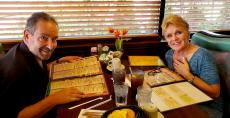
column 131, row 72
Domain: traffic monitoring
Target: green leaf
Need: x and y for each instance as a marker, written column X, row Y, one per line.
column 126, row 39
column 119, row 43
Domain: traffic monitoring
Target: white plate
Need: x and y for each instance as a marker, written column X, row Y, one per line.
column 159, row 115
column 110, row 68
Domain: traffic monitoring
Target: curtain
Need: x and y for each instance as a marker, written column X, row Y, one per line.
column 202, row 14
column 80, row 18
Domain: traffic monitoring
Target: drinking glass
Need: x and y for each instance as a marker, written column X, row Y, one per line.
column 121, row 93
column 118, row 76
column 137, row 79
column 143, row 95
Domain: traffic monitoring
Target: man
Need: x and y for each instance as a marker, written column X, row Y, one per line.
column 23, row 73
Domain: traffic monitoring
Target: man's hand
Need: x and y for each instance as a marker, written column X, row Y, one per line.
column 67, row 95
column 69, row 59
column 63, row 60
column 40, row 108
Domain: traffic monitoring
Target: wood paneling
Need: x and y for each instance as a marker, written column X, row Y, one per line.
column 149, row 45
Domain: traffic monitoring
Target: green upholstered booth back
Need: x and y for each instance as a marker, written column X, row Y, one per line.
column 219, row 47
column 212, row 41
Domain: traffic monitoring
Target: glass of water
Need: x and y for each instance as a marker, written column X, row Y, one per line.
column 121, row 93
column 143, row 95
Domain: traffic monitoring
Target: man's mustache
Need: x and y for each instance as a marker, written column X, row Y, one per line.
column 46, row 49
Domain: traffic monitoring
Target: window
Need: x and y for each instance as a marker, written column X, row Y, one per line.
column 78, row 18
column 202, row 14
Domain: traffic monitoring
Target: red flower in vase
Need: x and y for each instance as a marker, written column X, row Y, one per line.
column 119, row 34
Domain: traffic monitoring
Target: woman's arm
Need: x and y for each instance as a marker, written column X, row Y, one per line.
column 212, row 90
column 182, row 68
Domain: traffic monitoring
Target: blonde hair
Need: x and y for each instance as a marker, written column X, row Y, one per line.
column 176, row 20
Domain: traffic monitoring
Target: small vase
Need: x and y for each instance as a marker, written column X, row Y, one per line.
column 119, row 44
column 118, row 54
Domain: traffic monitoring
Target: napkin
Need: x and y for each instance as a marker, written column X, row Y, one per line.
column 83, row 111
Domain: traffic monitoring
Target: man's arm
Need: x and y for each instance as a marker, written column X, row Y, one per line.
column 45, row 105
column 63, row 60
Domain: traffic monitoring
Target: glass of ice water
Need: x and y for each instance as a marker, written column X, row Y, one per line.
column 121, row 93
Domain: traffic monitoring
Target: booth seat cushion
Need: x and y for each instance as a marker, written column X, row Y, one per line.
column 219, row 47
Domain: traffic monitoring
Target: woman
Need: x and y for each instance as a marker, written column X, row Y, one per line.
column 193, row 63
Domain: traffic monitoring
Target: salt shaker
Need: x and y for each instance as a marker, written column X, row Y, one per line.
column 93, row 51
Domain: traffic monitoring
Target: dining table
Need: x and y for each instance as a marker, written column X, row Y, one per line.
column 64, row 111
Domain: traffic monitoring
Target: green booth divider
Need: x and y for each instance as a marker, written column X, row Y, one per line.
column 212, row 41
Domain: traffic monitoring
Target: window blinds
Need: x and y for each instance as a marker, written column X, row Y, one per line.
column 78, row 18
column 202, row 14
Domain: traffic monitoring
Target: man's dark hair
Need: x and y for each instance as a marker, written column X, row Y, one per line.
column 34, row 18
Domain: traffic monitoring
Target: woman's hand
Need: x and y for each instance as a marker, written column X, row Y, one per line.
column 182, row 67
